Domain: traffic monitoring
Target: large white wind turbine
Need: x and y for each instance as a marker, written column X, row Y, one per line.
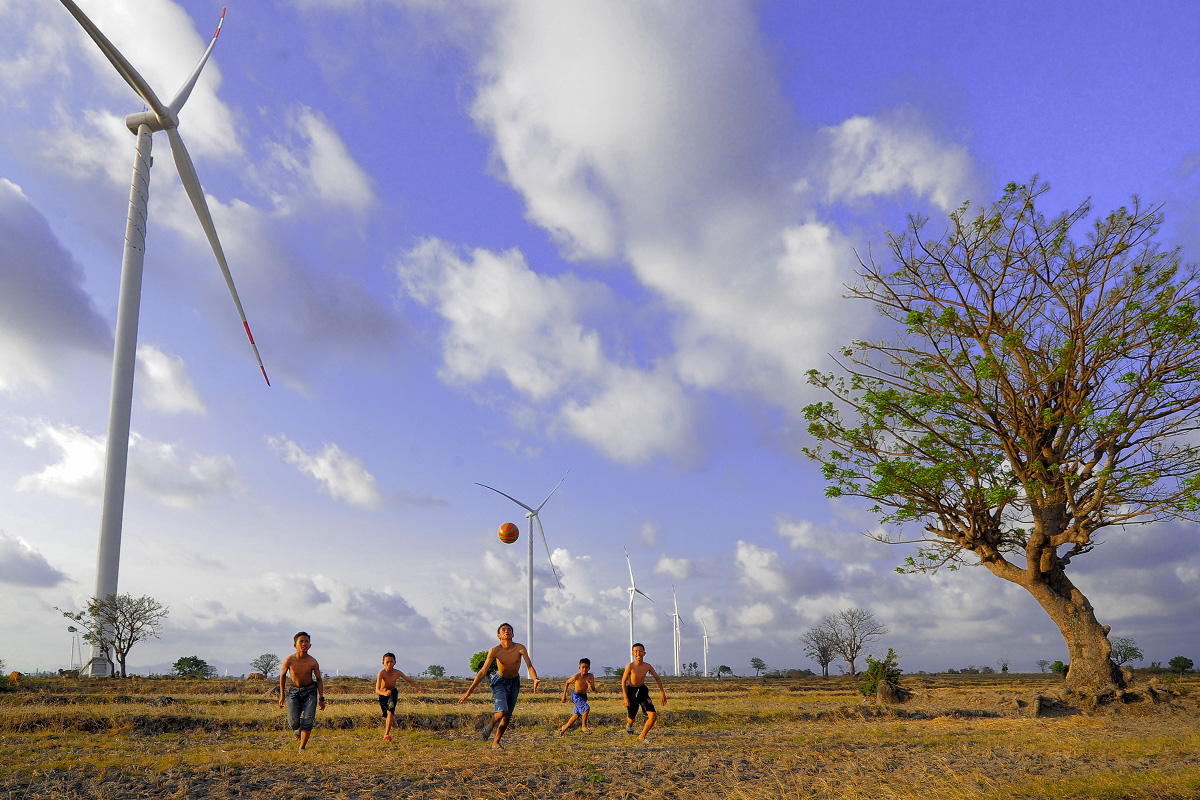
column 160, row 117
column 677, row 623
column 702, row 625
column 531, row 514
column 633, row 590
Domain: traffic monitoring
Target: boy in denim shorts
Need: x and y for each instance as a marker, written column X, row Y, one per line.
column 307, row 692
column 506, row 683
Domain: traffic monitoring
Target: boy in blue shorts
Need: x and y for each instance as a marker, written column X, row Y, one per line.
column 578, row 687
column 506, row 683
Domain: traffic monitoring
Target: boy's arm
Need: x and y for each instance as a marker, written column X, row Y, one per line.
column 591, row 682
column 287, row 663
column 487, row 662
column 532, row 671
column 320, row 686
column 380, row 686
column 411, row 683
column 567, row 687
column 625, row 677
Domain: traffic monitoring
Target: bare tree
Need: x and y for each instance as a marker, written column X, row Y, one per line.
column 1042, row 386
column 265, row 664
column 1125, row 651
column 819, row 643
column 118, row 621
column 853, row 629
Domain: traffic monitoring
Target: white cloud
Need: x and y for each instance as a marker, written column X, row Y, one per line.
column 340, row 475
column 295, row 589
column 21, row 565
column 319, row 165
column 156, row 469
column 44, row 310
column 163, row 383
column 892, row 153
column 678, row 568
column 760, row 569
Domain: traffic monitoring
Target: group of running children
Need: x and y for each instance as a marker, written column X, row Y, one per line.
column 307, row 691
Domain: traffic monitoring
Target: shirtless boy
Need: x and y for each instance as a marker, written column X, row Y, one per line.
column 578, row 687
column 637, row 693
column 385, row 687
column 506, row 683
column 308, row 690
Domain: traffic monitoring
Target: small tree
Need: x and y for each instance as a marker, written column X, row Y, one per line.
column 884, row 670
column 758, row 665
column 723, row 670
column 1042, row 665
column 1125, row 651
column 1003, row 663
column 194, row 667
column 119, row 622
column 820, row 644
column 477, row 662
column 436, row 671
column 1180, row 664
column 853, row 629
column 266, row 664
column 1059, row 668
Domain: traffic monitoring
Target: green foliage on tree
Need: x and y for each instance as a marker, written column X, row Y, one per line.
column 1059, row 668
column 1180, row 664
column 477, row 662
column 1041, row 386
column 117, row 622
column 266, row 664
column 436, row 671
column 758, row 665
column 1125, row 651
column 194, row 667
column 877, row 670
column 723, row 670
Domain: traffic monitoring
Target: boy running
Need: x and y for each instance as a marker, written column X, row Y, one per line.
column 578, row 687
column 385, row 687
column 308, row 690
column 506, row 683
column 637, row 693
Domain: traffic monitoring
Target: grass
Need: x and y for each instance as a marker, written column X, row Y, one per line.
column 743, row 739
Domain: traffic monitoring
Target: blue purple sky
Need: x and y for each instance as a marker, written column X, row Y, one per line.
column 494, row 241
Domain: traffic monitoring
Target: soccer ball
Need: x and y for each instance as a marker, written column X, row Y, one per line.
column 509, row 533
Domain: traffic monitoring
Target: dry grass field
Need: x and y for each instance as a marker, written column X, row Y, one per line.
column 968, row 736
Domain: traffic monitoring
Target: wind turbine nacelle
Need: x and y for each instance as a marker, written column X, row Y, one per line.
column 150, row 120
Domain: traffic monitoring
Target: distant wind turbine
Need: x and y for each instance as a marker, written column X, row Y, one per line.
column 705, row 627
column 677, row 623
column 160, row 117
column 531, row 514
column 633, row 590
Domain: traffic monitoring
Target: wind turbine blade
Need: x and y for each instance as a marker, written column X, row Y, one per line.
column 552, row 491
column 509, row 496
column 548, row 558
column 643, row 594
column 191, row 183
column 632, row 582
column 131, row 76
column 185, row 91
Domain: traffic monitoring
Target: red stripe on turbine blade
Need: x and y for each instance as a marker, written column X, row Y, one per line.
column 219, row 23
column 246, row 325
column 265, row 378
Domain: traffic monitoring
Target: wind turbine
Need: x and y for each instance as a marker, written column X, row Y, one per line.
column 705, row 627
column 677, row 623
column 633, row 590
column 160, row 117
column 531, row 514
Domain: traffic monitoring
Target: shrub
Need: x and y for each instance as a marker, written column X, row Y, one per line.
column 880, row 670
column 1059, row 668
column 477, row 662
column 1180, row 664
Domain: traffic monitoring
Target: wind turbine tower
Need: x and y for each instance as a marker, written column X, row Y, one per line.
column 160, row 117
column 677, row 624
column 633, row 590
column 705, row 627
column 531, row 514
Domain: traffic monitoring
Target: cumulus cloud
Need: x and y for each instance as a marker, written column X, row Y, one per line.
column 339, row 475
column 44, row 310
column 760, row 569
column 156, row 469
column 295, row 589
column 163, row 383
column 21, row 565
column 677, row 568
column 884, row 155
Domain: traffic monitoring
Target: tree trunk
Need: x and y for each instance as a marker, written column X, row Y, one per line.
column 1091, row 670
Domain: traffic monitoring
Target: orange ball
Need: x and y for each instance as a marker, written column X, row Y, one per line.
column 509, row 533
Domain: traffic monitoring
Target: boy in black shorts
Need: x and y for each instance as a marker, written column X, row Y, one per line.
column 637, row 693
column 385, row 687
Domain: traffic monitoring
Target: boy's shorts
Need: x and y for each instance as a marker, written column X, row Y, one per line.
column 302, row 707
column 505, row 692
column 638, row 697
column 581, row 703
column 387, row 702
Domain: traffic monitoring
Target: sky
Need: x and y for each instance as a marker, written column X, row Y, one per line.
column 503, row 242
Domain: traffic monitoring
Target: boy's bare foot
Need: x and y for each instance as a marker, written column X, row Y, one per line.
column 629, row 729
column 486, row 733
column 497, row 746
column 587, row 730
column 562, row 731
